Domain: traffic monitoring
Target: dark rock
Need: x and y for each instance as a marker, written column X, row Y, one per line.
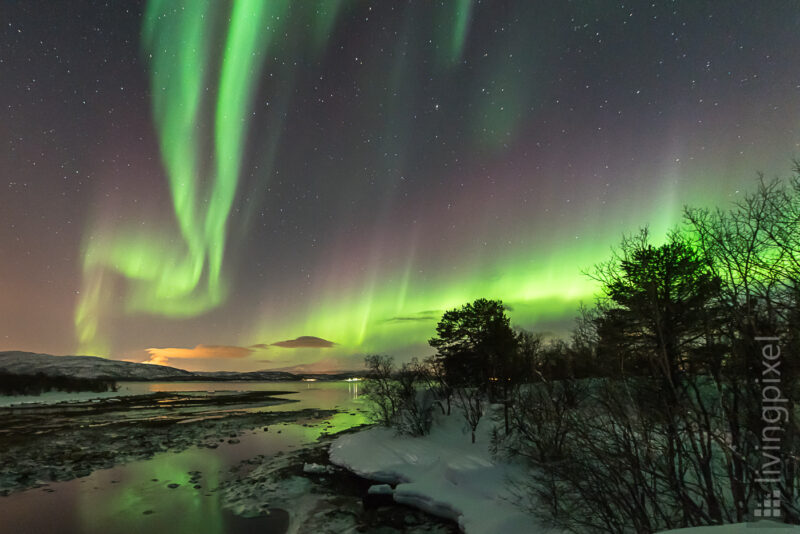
column 374, row 500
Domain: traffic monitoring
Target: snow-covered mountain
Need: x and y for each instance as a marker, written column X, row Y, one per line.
column 30, row 363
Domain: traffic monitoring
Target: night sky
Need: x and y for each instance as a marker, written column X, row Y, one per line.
column 256, row 184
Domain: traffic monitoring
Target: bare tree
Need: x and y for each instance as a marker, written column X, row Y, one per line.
column 416, row 400
column 470, row 401
column 438, row 383
column 381, row 388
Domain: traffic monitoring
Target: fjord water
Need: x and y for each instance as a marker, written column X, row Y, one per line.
column 313, row 392
column 135, row 497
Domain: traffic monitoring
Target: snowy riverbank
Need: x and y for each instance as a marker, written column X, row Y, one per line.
column 763, row 527
column 442, row 473
column 446, row 475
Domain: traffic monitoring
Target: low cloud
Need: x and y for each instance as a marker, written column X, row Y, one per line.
column 305, row 342
column 259, row 346
column 162, row 356
column 424, row 316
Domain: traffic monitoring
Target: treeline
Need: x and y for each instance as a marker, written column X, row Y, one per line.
column 674, row 401
column 36, row 384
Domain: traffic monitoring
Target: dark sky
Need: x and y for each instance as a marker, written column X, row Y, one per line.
column 208, row 178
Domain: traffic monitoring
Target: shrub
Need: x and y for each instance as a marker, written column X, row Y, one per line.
column 398, row 398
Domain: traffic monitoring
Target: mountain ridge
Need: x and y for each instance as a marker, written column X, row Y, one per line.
column 30, row 363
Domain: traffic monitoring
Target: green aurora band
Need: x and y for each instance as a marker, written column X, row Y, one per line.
column 186, row 279
column 179, row 270
column 182, row 276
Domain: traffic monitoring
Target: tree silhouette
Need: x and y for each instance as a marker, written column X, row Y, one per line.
column 476, row 344
column 657, row 310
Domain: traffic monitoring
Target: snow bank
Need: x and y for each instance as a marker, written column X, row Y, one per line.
column 442, row 473
column 446, row 475
column 761, row 527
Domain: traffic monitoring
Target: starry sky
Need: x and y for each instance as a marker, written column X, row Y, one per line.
column 257, row 184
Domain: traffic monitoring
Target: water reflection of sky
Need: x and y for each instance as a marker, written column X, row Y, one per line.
column 313, row 389
column 127, row 499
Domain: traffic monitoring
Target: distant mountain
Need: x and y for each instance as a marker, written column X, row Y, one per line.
column 252, row 375
column 351, row 365
column 30, row 363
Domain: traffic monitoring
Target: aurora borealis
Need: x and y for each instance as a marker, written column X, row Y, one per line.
column 250, row 175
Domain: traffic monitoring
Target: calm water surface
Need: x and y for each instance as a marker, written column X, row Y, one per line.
column 125, row 499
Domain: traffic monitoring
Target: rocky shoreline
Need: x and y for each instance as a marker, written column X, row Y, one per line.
column 60, row 442
column 320, row 497
column 299, row 488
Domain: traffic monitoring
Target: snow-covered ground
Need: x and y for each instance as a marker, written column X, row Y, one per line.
column 446, row 475
column 762, row 527
column 442, row 473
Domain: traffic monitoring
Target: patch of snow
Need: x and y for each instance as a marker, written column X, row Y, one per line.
column 442, row 473
column 317, row 469
column 380, row 489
